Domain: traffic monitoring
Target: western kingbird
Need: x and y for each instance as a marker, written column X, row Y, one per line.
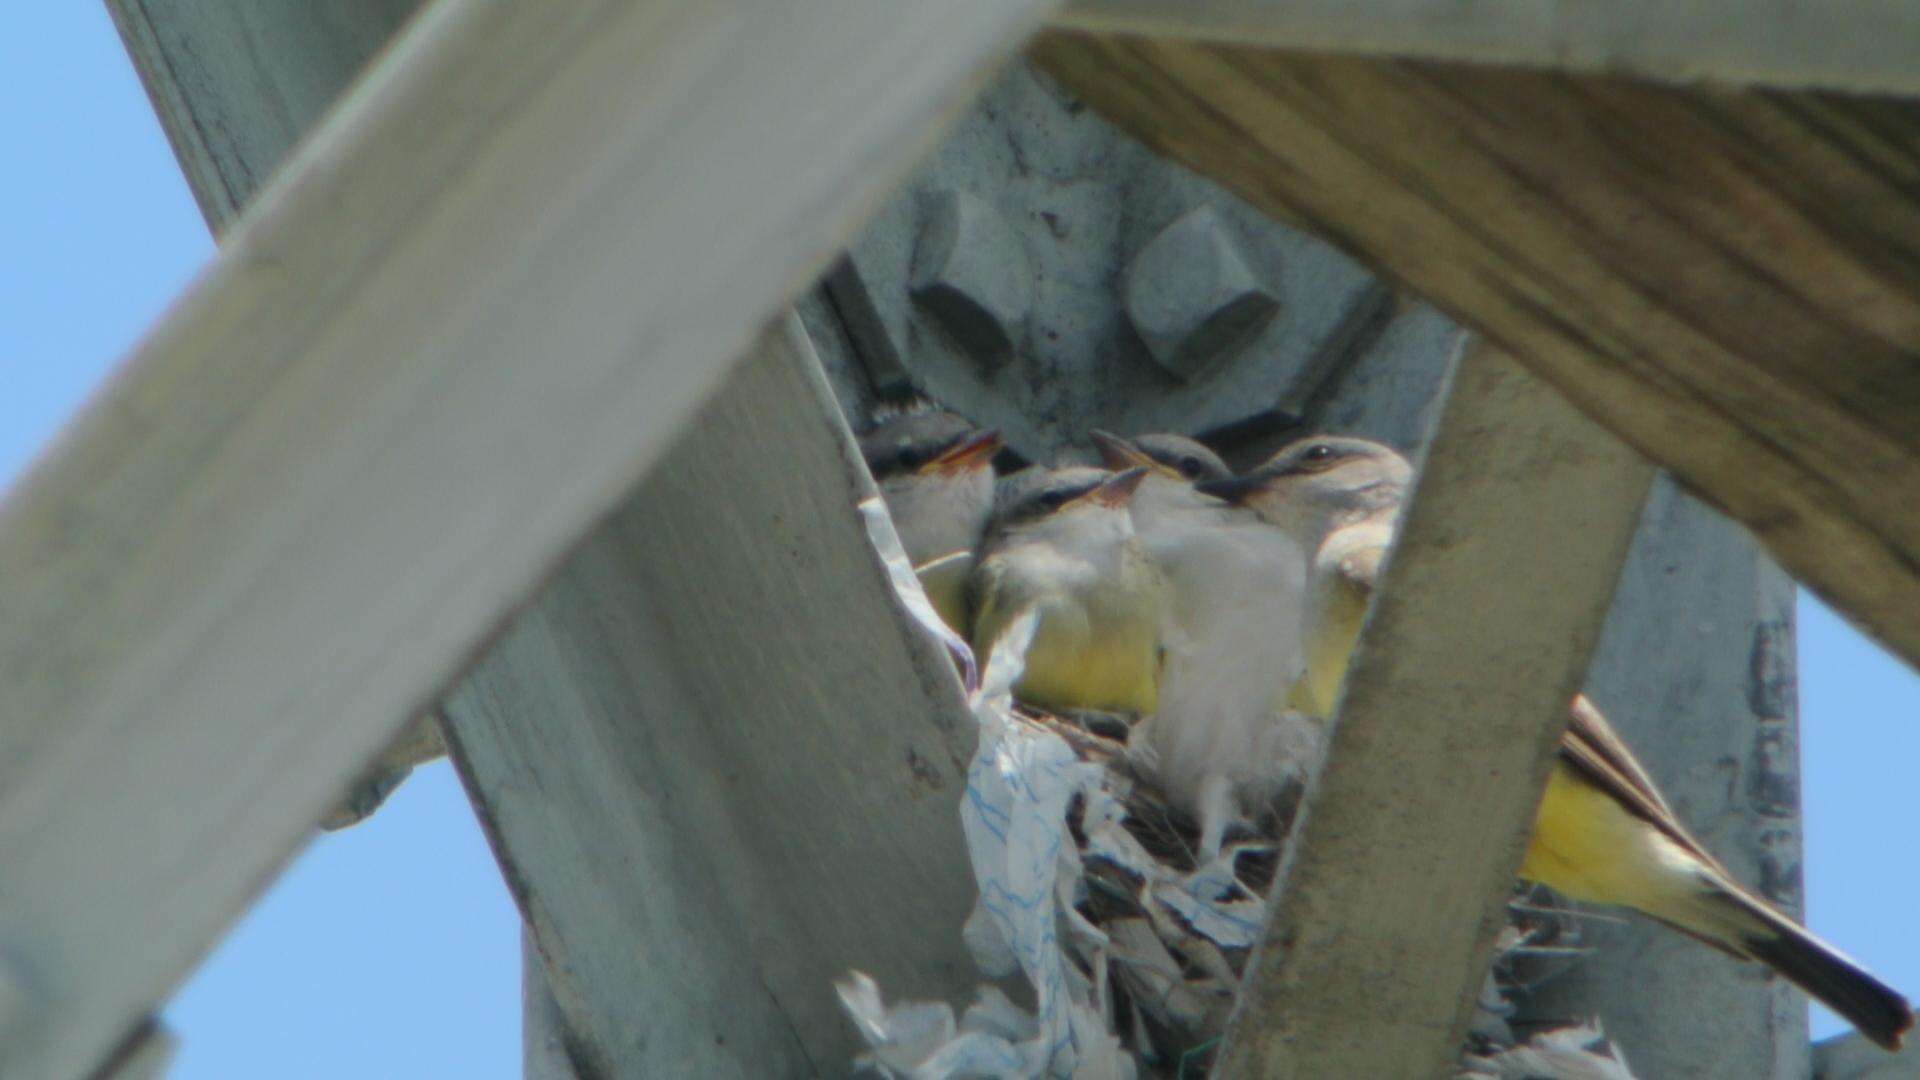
column 1060, row 541
column 1603, row 832
column 935, row 471
column 1222, row 741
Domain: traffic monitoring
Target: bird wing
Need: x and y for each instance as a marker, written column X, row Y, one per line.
column 944, row 580
column 1600, row 757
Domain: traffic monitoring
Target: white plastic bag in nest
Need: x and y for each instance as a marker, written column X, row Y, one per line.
column 1013, row 812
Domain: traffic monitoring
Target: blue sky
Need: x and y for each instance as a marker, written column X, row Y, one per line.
column 392, row 949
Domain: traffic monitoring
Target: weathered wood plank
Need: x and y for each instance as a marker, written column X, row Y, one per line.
column 1851, row 1057
column 543, row 1047
column 718, row 764
column 1862, row 45
column 234, row 87
column 479, row 301
column 1480, row 636
column 1728, row 281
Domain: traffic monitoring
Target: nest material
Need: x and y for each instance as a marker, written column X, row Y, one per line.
column 1172, row 985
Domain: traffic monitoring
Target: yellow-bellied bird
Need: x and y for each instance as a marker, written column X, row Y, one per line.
column 1060, row 542
column 1603, row 833
column 1222, row 741
column 935, row 471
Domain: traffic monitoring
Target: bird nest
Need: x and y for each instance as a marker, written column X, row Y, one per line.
column 1172, row 975
column 1092, row 887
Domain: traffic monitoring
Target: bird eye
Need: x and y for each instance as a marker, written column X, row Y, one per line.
column 1053, row 500
column 1190, row 467
column 1318, row 452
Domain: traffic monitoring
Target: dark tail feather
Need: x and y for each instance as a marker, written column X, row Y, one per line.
column 1877, row 1010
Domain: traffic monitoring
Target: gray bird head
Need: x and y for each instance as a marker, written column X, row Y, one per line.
column 1175, row 457
column 1060, row 504
column 926, row 443
column 1320, row 483
column 1173, row 463
column 935, row 471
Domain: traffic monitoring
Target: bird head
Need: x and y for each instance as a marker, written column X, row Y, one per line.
column 1173, row 463
column 1069, row 506
column 935, row 471
column 1320, row 483
column 1172, row 457
column 930, row 444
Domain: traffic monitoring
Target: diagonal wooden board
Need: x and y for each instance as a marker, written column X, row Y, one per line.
column 476, row 305
column 1730, row 281
column 1493, row 598
column 1862, row 45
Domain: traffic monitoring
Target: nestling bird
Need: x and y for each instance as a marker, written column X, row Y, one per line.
column 1060, row 541
column 1603, row 832
column 935, row 471
column 1222, row 742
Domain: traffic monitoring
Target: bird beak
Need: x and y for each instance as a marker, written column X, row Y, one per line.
column 974, row 451
column 1120, row 454
column 1118, row 488
column 1234, row 489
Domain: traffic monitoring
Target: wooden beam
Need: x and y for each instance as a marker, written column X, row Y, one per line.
column 235, row 86
column 478, row 302
column 1851, row 1057
column 1396, row 885
column 543, row 1036
column 1728, row 281
column 1860, row 45
column 718, row 763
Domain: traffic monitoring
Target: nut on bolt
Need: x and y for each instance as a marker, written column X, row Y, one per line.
column 971, row 274
column 1192, row 297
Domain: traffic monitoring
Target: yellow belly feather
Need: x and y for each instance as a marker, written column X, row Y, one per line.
column 1107, row 663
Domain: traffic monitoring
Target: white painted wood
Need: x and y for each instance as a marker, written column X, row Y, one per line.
column 1850, row 1057
column 543, row 1048
column 1862, row 45
column 234, row 87
column 1397, row 880
column 476, row 304
column 718, row 765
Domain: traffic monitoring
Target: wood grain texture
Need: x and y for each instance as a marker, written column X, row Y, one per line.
column 718, row 764
column 478, row 302
column 1728, row 281
column 1397, row 879
column 1862, row 45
